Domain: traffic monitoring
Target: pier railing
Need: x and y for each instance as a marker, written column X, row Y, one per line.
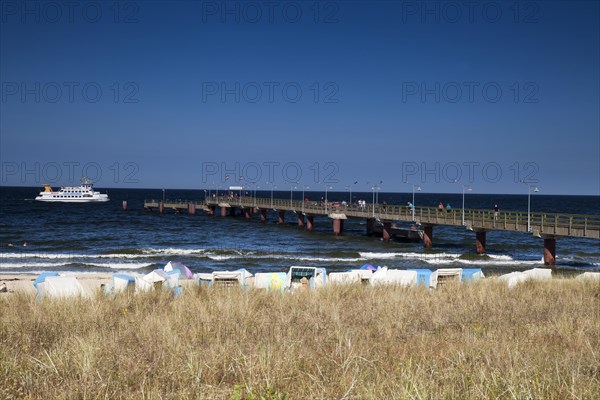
column 538, row 223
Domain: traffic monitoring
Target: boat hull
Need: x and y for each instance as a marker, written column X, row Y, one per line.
column 51, row 200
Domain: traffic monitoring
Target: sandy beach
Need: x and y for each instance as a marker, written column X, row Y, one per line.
column 23, row 283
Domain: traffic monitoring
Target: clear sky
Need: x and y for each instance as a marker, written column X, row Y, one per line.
column 184, row 94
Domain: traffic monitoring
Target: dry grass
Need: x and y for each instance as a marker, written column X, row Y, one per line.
column 540, row 340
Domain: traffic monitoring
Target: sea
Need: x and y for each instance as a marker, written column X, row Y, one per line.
column 102, row 237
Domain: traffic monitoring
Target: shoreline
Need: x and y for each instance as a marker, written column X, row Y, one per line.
column 93, row 281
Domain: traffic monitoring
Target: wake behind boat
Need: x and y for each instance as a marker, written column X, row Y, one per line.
column 73, row 194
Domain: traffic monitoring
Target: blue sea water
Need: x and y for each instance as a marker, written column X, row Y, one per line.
column 104, row 238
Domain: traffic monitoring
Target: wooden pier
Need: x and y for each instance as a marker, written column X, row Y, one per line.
column 548, row 226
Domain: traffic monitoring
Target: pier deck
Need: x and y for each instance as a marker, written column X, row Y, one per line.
column 548, row 226
column 541, row 223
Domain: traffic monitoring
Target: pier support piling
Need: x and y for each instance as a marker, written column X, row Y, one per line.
column 124, row 205
column 480, row 242
column 386, row 231
column 247, row 213
column 338, row 226
column 161, row 207
column 281, row 217
column 427, row 236
column 263, row 215
column 223, row 211
column 300, row 219
column 191, row 208
column 549, row 250
column 370, row 226
column 310, row 222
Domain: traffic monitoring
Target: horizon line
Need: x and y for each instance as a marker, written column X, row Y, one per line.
column 323, row 191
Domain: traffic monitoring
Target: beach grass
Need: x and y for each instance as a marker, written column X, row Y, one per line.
column 470, row 341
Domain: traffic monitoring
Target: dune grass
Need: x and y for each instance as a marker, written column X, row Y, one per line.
column 539, row 340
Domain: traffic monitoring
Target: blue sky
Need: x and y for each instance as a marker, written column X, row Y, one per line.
column 154, row 94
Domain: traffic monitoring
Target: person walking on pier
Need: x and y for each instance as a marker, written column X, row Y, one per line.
column 496, row 212
column 448, row 208
column 440, row 207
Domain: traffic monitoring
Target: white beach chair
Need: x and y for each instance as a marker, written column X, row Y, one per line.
column 344, row 278
column 589, row 275
column 386, row 276
column 231, row 278
column 270, row 280
column 445, row 275
column 63, row 286
column 365, row 274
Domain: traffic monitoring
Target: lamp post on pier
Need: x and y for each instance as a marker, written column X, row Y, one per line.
column 303, row 188
column 349, row 187
column 414, row 188
column 291, row 196
column 375, row 188
column 272, row 187
column 468, row 188
column 535, row 190
column 326, row 199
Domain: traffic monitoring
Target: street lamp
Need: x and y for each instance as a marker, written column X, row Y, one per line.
column 418, row 189
column 272, row 186
column 535, row 190
column 468, row 188
column 326, row 200
column 374, row 188
column 291, row 196
column 349, row 187
column 256, row 188
column 303, row 187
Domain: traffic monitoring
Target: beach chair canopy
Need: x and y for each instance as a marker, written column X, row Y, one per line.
column 172, row 281
column 63, row 286
column 423, row 276
column 368, row 267
column 42, row 277
column 345, row 278
column 142, row 285
column 177, row 266
column 472, row 274
column 320, row 277
column 122, row 282
column 394, row 277
column 158, row 275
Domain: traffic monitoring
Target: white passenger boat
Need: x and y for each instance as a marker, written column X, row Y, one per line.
column 73, row 194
